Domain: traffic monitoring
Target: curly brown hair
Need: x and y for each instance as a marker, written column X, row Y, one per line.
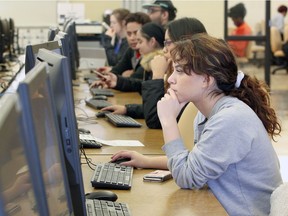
column 204, row 54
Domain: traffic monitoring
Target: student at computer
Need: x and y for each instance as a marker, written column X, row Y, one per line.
column 233, row 153
column 154, row 89
column 150, row 42
column 129, row 65
column 114, row 39
column 279, row 19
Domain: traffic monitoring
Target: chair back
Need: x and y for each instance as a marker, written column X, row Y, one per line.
column 279, row 200
column 285, row 34
column 275, row 39
column 185, row 125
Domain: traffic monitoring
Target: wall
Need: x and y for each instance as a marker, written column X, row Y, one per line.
column 211, row 13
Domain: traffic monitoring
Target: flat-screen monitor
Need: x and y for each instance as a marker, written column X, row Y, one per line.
column 4, row 38
column 70, row 29
column 58, row 70
column 21, row 185
column 52, row 32
column 32, row 51
column 63, row 40
column 44, row 138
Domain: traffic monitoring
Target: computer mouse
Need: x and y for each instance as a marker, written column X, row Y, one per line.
column 120, row 160
column 102, row 114
column 83, row 130
column 102, row 195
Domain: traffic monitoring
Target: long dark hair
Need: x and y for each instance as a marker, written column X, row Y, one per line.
column 204, row 54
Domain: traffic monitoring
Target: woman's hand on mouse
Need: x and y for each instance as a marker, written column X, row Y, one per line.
column 136, row 159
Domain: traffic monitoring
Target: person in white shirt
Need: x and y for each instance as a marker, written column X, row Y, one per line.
column 279, row 19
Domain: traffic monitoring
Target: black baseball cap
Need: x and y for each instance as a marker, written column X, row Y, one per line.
column 165, row 5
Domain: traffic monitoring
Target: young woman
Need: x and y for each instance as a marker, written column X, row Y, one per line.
column 114, row 40
column 233, row 153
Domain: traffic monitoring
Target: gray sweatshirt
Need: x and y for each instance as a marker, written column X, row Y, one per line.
column 233, row 155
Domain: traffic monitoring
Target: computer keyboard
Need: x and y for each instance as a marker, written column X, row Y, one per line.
column 99, row 91
column 96, row 207
column 88, row 141
column 97, row 104
column 112, row 176
column 122, row 120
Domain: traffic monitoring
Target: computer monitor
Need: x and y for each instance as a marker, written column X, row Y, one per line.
column 22, row 188
column 4, row 38
column 32, row 51
column 44, row 138
column 63, row 96
column 63, row 40
column 70, row 29
column 52, row 32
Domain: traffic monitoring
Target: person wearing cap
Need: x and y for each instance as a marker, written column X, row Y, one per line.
column 237, row 14
column 279, row 19
column 161, row 11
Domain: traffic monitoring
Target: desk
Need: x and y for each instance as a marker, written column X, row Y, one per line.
column 160, row 199
column 151, row 138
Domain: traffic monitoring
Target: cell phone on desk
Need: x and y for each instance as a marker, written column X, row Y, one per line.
column 157, row 176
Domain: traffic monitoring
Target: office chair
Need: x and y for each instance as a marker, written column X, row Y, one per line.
column 185, row 125
column 279, row 200
column 276, row 48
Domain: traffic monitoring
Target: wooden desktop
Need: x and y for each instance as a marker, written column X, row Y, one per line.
column 144, row 198
column 159, row 199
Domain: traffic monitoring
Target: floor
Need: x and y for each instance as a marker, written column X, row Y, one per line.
column 279, row 100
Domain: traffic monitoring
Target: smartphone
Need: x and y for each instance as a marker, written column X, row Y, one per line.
column 105, row 25
column 99, row 74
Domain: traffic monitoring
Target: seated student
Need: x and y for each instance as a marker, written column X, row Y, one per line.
column 236, row 160
column 161, row 12
column 237, row 14
column 114, row 40
column 129, row 65
column 279, row 19
column 154, row 89
column 150, row 41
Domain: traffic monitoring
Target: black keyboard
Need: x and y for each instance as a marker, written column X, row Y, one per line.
column 96, row 207
column 97, row 104
column 122, row 120
column 112, row 176
column 99, row 91
column 88, row 141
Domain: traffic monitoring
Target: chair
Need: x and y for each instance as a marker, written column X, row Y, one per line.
column 279, row 201
column 276, row 48
column 185, row 125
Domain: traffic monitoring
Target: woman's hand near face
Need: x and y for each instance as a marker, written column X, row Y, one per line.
column 159, row 66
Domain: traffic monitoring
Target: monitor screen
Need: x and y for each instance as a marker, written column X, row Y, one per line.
column 70, row 29
column 32, row 51
column 19, row 185
column 52, row 33
column 64, row 101
column 40, row 120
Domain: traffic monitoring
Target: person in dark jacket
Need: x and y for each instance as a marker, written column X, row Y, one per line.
column 114, row 40
column 129, row 65
column 154, row 89
column 150, row 42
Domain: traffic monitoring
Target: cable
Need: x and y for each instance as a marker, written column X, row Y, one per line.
column 88, row 160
